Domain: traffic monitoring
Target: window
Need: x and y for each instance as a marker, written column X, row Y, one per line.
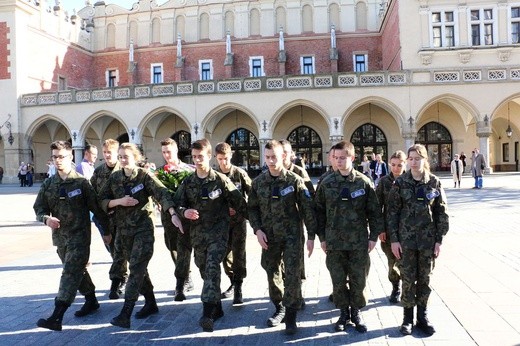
column 62, row 83
column 256, row 66
column 443, row 29
column 482, row 27
column 360, row 62
column 515, row 25
column 307, row 65
column 112, row 78
column 505, row 152
column 157, row 73
column 206, row 69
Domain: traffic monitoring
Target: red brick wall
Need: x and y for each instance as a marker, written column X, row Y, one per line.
column 5, row 64
column 391, row 40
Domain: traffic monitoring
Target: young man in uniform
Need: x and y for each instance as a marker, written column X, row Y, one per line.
column 118, row 269
column 346, row 207
column 179, row 244
column 235, row 260
column 278, row 202
column 204, row 199
column 63, row 204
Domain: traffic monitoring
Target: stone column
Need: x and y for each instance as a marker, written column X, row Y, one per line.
column 483, row 133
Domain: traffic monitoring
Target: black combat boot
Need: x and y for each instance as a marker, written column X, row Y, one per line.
column 54, row 321
column 149, row 308
column 179, row 290
column 114, row 289
column 343, row 319
column 206, row 321
column 123, row 319
column 188, row 284
column 229, row 292
column 237, row 298
column 396, row 293
column 406, row 327
column 278, row 316
column 422, row 321
column 217, row 312
column 290, row 321
column 356, row 319
column 91, row 304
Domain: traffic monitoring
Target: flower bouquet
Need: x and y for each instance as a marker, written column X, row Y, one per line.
column 170, row 177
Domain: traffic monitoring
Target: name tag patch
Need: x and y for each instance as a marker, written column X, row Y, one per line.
column 287, row 191
column 433, row 194
column 357, row 193
column 74, row 193
column 215, row 194
column 137, row 188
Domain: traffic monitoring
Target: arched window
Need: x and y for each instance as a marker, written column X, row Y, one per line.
column 334, row 16
column 246, row 151
column 230, row 23
column 180, row 27
column 437, row 140
column 254, row 22
column 156, row 30
column 361, row 16
column 183, row 139
column 111, row 36
column 307, row 19
column 204, row 26
column 306, row 144
column 368, row 139
column 280, row 19
column 132, row 32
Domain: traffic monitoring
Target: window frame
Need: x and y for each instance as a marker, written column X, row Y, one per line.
column 303, row 65
column 514, row 21
column 115, row 77
column 355, row 62
column 252, row 59
column 442, row 25
column 481, row 24
column 201, row 71
column 152, row 73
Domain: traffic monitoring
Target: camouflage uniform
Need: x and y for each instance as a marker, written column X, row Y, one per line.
column 118, row 269
column 235, row 260
column 211, row 197
column 417, row 218
column 70, row 201
column 346, row 207
column 274, row 203
column 177, row 243
column 382, row 191
column 135, row 225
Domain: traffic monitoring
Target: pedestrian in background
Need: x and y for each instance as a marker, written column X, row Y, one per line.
column 418, row 222
column 478, row 166
column 1, row 174
column 235, row 261
column 22, row 174
column 463, row 159
column 397, row 168
column 457, row 169
column 278, row 202
column 204, row 199
column 63, row 203
column 128, row 193
column 349, row 217
column 86, row 166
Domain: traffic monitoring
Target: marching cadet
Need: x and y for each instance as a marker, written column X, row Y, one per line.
column 235, row 260
column 128, row 192
column 63, row 204
column 417, row 222
column 179, row 244
column 277, row 203
column 204, row 198
column 397, row 167
column 118, row 269
column 346, row 207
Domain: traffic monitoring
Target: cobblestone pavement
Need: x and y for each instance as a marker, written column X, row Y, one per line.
column 475, row 298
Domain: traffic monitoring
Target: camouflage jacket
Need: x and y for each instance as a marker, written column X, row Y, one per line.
column 345, row 208
column 417, row 212
column 382, row 191
column 70, row 201
column 142, row 186
column 242, row 182
column 211, row 197
column 101, row 175
column 276, row 202
column 301, row 172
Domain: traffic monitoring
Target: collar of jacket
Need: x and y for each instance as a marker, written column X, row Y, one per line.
column 282, row 176
column 350, row 178
column 408, row 176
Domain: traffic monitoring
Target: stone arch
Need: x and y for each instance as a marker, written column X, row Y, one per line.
column 280, row 19
column 468, row 113
column 111, row 36
column 229, row 23
column 361, row 16
column 158, row 117
column 334, row 16
column 307, row 19
column 156, row 30
column 393, row 110
column 204, row 26
column 217, row 114
column 254, row 22
column 132, row 32
column 180, row 26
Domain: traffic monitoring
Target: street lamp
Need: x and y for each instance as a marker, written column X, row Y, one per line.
column 509, row 130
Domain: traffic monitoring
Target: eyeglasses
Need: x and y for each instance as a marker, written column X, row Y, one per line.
column 59, row 157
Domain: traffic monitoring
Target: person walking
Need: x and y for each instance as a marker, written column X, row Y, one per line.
column 1, row 174
column 278, row 202
column 478, row 166
column 397, row 168
column 463, row 157
column 204, row 199
column 128, row 193
column 350, row 221
column 417, row 222
column 63, row 203
column 235, row 261
column 457, row 169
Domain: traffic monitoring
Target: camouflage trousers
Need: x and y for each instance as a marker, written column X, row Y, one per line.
column 348, row 266
column 208, row 256
column 416, row 268
column 284, row 281
column 138, row 250
column 179, row 246
column 394, row 275
column 119, row 267
column 235, row 260
column 74, row 256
